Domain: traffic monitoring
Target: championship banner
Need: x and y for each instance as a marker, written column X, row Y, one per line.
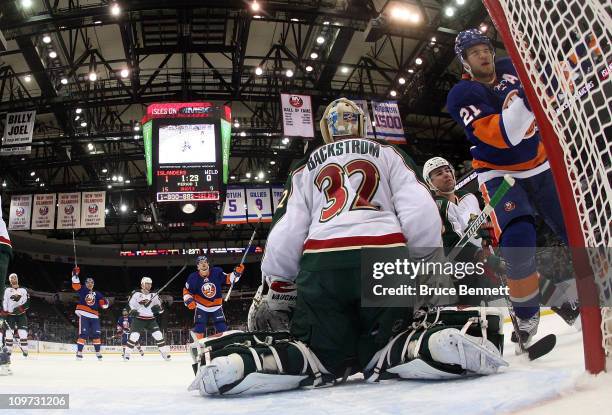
column 20, row 213
column 388, row 122
column 18, row 129
column 297, row 115
column 258, row 201
column 92, row 210
column 234, row 208
column 68, row 210
column 277, row 194
column 363, row 104
column 43, row 211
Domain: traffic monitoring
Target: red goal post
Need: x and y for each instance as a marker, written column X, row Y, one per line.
column 561, row 51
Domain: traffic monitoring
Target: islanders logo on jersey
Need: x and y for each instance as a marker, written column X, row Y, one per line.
column 209, row 290
column 90, row 299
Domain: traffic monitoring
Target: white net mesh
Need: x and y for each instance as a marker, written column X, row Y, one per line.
column 565, row 47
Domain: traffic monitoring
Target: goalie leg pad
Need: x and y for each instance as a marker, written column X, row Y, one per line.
column 249, row 363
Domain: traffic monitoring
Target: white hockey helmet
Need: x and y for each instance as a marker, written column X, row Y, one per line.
column 145, row 280
column 432, row 164
column 13, row 276
column 342, row 119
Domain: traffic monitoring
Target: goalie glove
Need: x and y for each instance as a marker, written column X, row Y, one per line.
column 272, row 305
column 15, row 297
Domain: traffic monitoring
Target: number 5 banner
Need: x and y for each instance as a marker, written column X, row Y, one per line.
column 234, row 209
column 258, row 200
column 388, row 122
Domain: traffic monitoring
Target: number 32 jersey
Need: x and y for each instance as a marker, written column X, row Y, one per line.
column 347, row 195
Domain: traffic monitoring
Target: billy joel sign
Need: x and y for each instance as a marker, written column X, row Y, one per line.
column 18, row 131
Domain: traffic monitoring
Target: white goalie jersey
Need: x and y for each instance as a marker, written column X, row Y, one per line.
column 347, row 195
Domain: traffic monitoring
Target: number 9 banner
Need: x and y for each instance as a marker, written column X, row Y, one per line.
column 259, row 200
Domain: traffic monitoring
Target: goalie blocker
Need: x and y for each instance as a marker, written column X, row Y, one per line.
column 442, row 344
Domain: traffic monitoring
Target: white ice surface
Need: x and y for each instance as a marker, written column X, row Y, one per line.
column 555, row 384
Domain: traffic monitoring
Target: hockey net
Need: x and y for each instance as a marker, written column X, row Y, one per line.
column 562, row 52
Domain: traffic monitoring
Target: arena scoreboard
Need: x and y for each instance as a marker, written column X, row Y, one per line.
column 187, row 149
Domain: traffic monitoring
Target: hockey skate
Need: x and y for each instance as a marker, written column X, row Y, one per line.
column 99, row 356
column 221, row 371
column 527, row 329
column 79, row 355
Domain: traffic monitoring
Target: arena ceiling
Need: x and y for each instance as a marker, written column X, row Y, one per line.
column 149, row 51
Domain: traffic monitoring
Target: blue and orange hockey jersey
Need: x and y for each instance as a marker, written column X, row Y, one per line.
column 499, row 125
column 124, row 324
column 90, row 302
column 206, row 291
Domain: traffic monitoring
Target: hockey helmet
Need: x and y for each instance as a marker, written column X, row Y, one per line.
column 465, row 40
column 145, row 280
column 342, row 119
column 89, row 280
column 125, row 311
column 13, row 278
column 200, row 259
column 432, row 164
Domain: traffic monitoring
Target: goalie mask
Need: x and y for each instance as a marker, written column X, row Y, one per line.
column 13, row 279
column 342, row 119
column 432, row 164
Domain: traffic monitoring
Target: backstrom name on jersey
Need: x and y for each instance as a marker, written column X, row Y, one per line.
column 358, row 146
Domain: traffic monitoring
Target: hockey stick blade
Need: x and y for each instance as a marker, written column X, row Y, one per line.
column 542, row 347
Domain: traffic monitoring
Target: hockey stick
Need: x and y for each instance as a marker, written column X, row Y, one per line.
column 74, row 244
column 156, row 294
column 475, row 225
column 246, row 251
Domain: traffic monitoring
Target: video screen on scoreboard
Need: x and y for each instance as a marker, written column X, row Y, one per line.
column 187, row 144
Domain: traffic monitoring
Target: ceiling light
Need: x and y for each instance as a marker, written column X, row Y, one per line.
column 393, row 93
column 295, row 20
column 410, row 70
column 272, row 162
column 257, row 16
column 285, row 140
column 314, row 55
column 433, row 39
column 267, row 181
column 320, row 40
column 260, row 175
column 188, row 207
column 78, row 110
column 248, row 174
column 114, row 178
column 26, row 3
column 483, row 28
column 236, row 124
column 106, row 211
column 123, row 208
column 32, row 173
column 242, row 134
column 137, row 127
column 93, row 76
column 125, row 73
column 115, row 9
column 27, row 78
column 326, row 23
column 460, row 2
column 401, row 81
column 128, row 181
column 53, row 54
column 232, row 177
column 110, row 186
column 104, row 170
column 449, row 11
column 120, row 179
column 344, row 69
column 255, row 6
column 98, row 22
column 42, row 185
column 90, row 146
column 404, row 14
column 37, row 179
column 288, row 73
column 309, row 68
column 46, row 39
column 83, row 124
column 258, row 71
column 3, row 184
column 418, row 61
column 64, row 81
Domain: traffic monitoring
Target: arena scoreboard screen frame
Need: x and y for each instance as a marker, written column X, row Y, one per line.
column 187, row 149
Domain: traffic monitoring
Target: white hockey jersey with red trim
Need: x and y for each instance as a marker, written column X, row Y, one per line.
column 347, row 195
